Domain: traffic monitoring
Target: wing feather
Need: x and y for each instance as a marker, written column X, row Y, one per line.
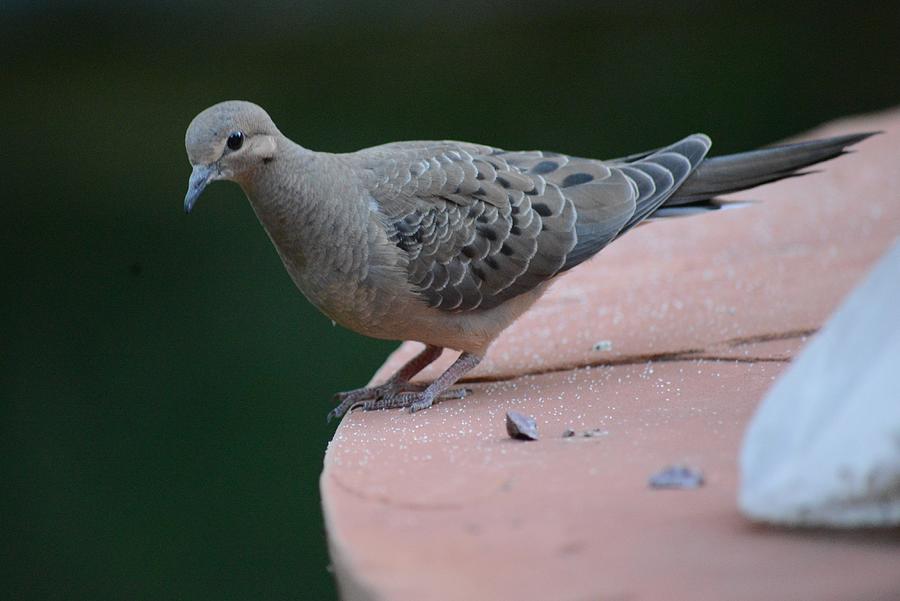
column 481, row 225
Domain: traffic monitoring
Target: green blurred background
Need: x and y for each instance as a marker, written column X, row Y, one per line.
column 163, row 386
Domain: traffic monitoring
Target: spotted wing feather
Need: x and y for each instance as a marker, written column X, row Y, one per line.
column 477, row 229
column 482, row 225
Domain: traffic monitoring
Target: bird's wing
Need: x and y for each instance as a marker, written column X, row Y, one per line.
column 482, row 225
column 659, row 174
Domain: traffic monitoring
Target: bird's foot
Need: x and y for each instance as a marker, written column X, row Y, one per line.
column 415, row 401
column 391, row 395
column 360, row 396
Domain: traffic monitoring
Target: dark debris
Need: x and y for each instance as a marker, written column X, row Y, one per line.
column 677, row 476
column 521, row 426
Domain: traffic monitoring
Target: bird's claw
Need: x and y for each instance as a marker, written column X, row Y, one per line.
column 414, row 397
column 424, row 401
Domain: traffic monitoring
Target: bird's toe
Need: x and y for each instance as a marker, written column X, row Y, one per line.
column 424, row 402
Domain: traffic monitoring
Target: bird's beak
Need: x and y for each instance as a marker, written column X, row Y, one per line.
column 200, row 176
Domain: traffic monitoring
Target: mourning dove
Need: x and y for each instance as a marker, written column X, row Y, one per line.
column 447, row 243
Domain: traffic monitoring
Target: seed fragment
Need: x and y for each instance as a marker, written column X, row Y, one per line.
column 603, row 345
column 677, row 476
column 521, row 426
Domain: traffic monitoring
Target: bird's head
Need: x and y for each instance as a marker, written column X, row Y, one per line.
column 227, row 141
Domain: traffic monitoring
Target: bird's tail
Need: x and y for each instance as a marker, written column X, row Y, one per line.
column 734, row 172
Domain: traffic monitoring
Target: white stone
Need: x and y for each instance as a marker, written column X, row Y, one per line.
column 824, row 446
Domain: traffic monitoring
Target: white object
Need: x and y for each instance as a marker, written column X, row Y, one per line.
column 824, row 446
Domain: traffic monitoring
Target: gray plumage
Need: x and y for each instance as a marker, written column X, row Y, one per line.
column 483, row 225
column 448, row 242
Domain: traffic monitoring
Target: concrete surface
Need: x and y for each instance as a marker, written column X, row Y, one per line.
column 703, row 313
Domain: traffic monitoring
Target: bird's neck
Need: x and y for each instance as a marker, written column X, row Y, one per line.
column 306, row 202
column 282, row 195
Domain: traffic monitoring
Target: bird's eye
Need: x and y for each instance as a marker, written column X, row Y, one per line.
column 235, row 140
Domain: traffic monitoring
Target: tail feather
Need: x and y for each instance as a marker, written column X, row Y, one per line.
column 697, row 208
column 734, row 172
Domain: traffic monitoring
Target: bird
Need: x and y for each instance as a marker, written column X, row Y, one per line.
column 446, row 242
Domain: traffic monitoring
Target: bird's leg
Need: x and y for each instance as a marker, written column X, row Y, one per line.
column 439, row 389
column 397, row 383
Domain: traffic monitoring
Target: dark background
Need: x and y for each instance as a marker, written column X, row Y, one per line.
column 163, row 387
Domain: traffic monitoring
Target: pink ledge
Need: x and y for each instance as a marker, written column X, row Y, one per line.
column 702, row 314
